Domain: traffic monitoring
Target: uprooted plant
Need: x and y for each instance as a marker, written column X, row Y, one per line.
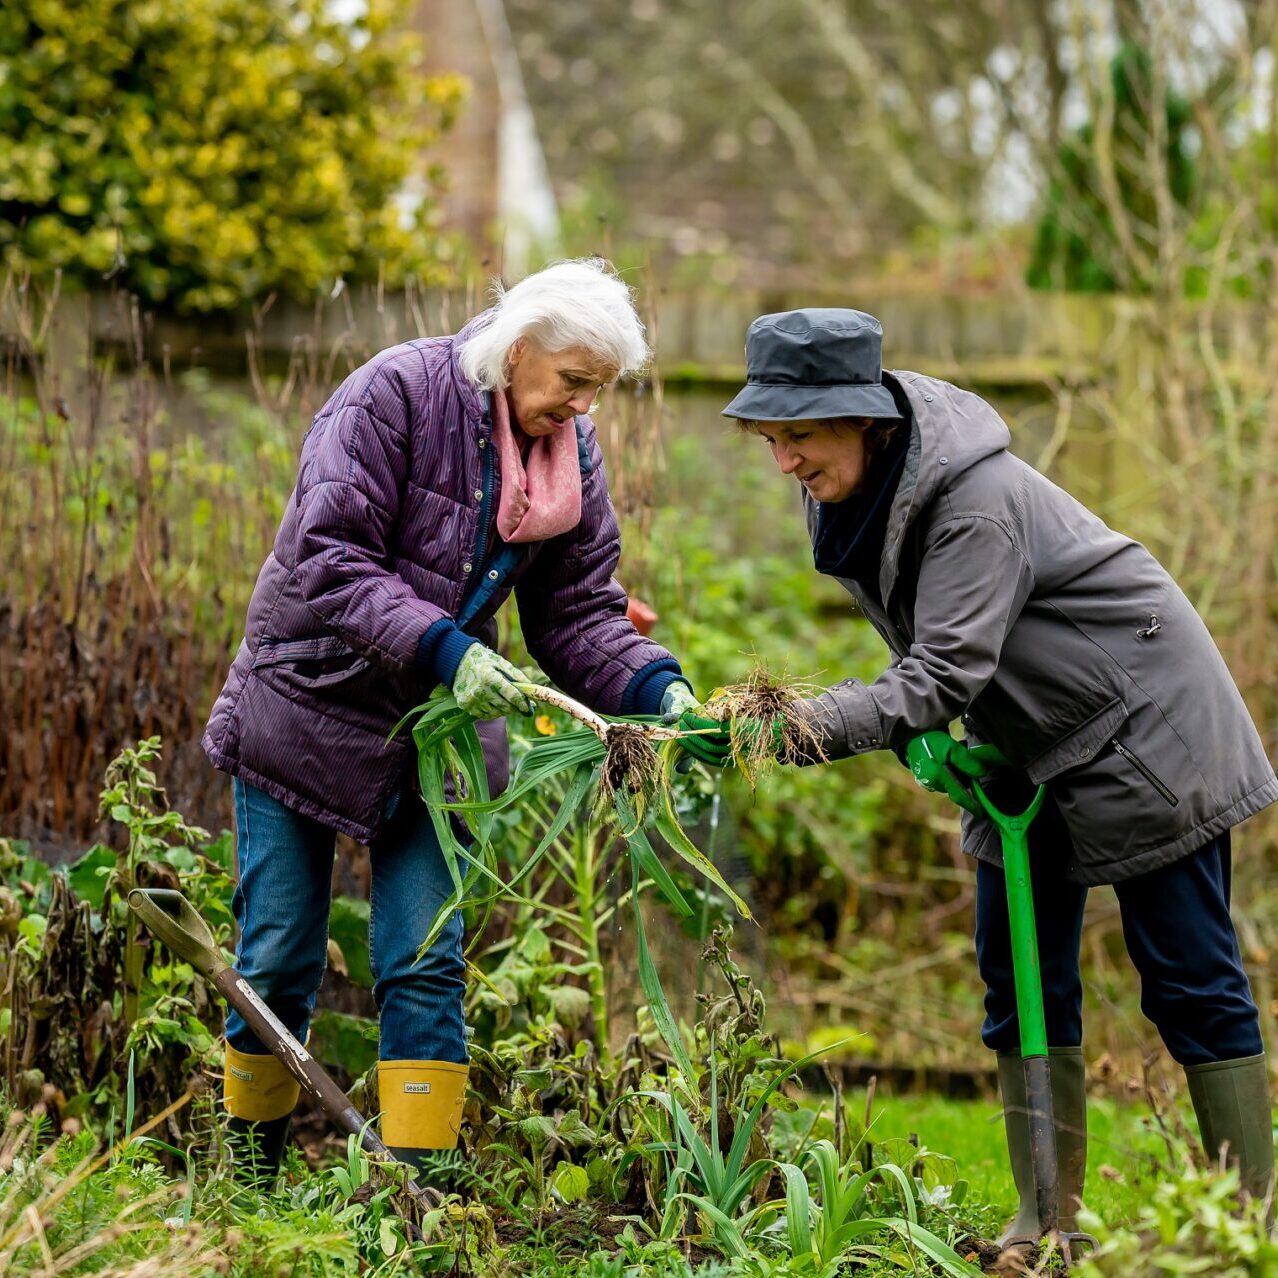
column 766, row 722
column 627, row 764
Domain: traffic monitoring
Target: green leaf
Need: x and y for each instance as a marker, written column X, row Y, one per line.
column 537, row 1130
column 570, row 1182
column 348, row 927
column 651, row 985
column 388, row 1235
column 798, row 1209
column 221, row 851
column 667, row 825
column 726, row 1230
column 545, row 759
column 573, row 1131
column 570, row 1004
column 87, row 876
column 650, row 863
column 942, row 1253
column 340, row 1040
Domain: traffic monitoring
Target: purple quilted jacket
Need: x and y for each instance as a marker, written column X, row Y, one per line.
column 385, row 537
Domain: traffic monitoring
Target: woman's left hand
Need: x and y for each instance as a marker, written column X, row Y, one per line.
column 713, row 742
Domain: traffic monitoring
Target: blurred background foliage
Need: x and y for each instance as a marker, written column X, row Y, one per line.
column 292, row 171
column 776, row 145
column 205, row 155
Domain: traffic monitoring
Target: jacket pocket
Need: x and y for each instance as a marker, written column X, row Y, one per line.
column 1147, row 772
column 320, row 662
column 1080, row 745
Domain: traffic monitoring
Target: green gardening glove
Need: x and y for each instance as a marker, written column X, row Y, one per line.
column 484, row 684
column 946, row 766
column 713, row 745
column 675, row 701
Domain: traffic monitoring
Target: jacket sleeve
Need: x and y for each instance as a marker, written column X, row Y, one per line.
column 573, row 612
column 350, row 484
column 973, row 582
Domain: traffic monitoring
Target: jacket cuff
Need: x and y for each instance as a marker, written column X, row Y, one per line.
column 441, row 649
column 846, row 720
column 646, row 688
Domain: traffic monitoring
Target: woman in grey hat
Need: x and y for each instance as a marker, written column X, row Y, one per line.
column 1008, row 604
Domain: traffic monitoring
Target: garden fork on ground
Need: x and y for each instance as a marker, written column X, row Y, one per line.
column 171, row 918
column 1027, row 975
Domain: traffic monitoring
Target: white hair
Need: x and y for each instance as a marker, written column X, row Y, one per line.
column 580, row 303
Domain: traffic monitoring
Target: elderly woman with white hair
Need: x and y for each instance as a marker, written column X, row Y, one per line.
column 441, row 476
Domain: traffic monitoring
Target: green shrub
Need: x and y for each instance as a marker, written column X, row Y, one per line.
column 1193, row 1224
column 205, row 154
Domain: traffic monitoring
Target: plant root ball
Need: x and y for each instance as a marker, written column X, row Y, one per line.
column 767, row 698
column 632, row 765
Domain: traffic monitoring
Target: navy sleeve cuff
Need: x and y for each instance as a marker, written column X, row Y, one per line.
column 644, row 692
column 441, row 649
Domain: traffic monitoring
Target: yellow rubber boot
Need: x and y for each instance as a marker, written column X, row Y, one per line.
column 421, row 1106
column 260, row 1096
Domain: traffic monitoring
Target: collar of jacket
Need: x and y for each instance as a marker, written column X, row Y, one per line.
column 849, row 534
column 953, row 430
column 473, row 399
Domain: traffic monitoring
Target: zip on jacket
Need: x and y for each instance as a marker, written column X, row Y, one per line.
column 1145, row 771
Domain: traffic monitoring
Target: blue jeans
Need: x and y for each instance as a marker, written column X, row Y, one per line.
column 282, row 903
column 1178, row 932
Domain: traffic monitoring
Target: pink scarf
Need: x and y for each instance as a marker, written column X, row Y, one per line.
column 540, row 497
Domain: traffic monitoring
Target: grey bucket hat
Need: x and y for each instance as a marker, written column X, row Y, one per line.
column 813, row 363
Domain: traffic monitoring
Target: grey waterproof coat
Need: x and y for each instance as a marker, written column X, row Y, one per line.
column 1066, row 644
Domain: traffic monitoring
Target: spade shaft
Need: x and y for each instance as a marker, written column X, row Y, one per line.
column 171, row 918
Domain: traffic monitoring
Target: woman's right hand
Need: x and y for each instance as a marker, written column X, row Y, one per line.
column 946, row 766
column 484, row 685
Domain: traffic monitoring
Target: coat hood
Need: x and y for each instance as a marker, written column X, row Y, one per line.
column 952, row 430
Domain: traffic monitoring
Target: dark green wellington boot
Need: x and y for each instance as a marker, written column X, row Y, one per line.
column 260, row 1096
column 257, row 1148
column 1069, row 1114
column 1231, row 1100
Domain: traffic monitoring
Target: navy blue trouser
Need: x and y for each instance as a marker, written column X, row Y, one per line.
column 1178, row 932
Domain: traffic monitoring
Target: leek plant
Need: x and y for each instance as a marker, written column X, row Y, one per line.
column 838, row 1213
column 619, row 770
column 714, row 1181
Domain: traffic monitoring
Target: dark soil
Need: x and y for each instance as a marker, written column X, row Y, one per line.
column 993, row 1259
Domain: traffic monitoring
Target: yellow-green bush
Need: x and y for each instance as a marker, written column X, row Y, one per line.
column 202, row 152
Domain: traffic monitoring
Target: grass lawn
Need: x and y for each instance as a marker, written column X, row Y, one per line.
column 1126, row 1155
